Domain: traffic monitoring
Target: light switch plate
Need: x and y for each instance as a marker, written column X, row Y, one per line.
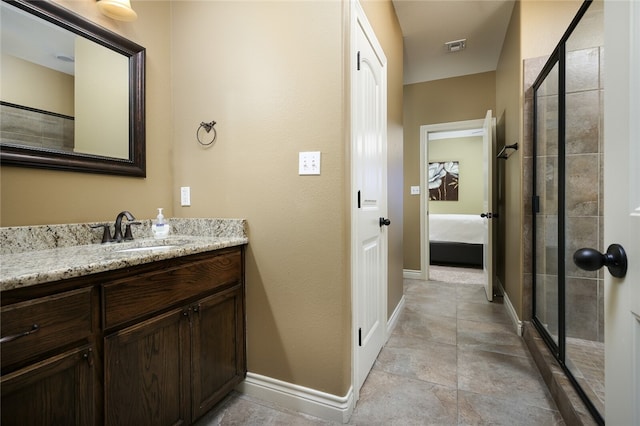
column 309, row 163
column 415, row 190
column 185, row 196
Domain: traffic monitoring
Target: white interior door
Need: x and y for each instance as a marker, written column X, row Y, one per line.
column 369, row 180
column 622, row 209
column 487, row 204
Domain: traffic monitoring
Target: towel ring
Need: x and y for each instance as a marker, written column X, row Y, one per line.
column 208, row 127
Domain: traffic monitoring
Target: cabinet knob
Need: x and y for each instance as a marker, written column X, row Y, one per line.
column 87, row 356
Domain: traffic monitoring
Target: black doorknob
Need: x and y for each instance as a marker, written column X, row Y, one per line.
column 615, row 259
column 489, row 215
column 384, row 222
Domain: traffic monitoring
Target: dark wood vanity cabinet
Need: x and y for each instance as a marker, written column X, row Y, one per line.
column 170, row 345
column 174, row 367
column 48, row 360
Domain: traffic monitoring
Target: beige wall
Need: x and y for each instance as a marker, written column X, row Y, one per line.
column 101, row 128
column 440, row 101
column 25, row 83
column 273, row 76
column 276, row 90
column 535, row 29
column 509, row 119
column 543, row 24
column 31, row 197
column 468, row 152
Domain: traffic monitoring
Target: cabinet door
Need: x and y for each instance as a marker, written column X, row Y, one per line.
column 146, row 372
column 56, row 391
column 218, row 348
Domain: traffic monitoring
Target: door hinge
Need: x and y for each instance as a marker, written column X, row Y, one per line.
column 358, row 60
column 358, row 199
column 536, row 204
column 360, row 337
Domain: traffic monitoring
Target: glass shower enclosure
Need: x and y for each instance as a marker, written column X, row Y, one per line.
column 568, row 302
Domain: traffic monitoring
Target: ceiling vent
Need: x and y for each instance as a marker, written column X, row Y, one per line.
column 456, row 45
column 65, row 58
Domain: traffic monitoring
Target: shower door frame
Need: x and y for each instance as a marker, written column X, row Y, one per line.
column 558, row 350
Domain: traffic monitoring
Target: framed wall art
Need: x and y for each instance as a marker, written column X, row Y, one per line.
column 444, row 180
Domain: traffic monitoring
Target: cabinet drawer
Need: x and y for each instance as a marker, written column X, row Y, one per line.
column 130, row 298
column 41, row 325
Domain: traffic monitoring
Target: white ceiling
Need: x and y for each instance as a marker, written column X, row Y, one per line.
column 35, row 40
column 428, row 24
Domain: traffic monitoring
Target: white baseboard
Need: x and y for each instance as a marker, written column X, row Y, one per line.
column 391, row 323
column 306, row 400
column 412, row 274
column 299, row 398
column 510, row 309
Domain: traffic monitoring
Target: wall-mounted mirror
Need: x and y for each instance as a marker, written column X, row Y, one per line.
column 72, row 92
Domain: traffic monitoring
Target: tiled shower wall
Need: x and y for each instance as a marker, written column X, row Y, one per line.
column 584, row 195
column 38, row 129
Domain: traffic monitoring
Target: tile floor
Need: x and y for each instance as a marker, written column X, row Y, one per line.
column 586, row 362
column 452, row 359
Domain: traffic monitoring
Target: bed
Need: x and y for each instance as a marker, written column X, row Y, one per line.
column 456, row 239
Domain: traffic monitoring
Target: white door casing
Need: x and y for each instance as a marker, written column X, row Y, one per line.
column 369, row 195
column 424, row 203
column 622, row 209
column 478, row 127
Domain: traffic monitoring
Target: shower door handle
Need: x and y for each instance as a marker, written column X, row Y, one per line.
column 615, row 259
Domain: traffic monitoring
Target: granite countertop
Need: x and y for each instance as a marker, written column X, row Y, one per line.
column 28, row 263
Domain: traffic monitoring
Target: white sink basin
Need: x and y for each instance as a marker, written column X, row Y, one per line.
column 150, row 248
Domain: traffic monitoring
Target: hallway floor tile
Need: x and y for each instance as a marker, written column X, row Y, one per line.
column 452, row 359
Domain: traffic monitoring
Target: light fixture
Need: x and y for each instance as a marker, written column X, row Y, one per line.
column 117, row 9
column 456, row 45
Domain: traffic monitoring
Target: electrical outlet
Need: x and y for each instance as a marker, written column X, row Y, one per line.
column 415, row 190
column 309, row 163
column 185, row 196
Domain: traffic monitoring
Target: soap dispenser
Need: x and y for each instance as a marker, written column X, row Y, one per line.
column 160, row 229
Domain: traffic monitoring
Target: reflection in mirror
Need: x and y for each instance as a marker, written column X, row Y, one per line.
column 72, row 92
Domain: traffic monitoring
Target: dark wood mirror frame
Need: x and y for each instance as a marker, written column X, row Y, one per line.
column 135, row 165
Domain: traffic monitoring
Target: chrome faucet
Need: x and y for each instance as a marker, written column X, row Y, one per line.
column 117, row 234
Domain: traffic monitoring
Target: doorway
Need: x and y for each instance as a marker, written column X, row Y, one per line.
column 458, row 230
